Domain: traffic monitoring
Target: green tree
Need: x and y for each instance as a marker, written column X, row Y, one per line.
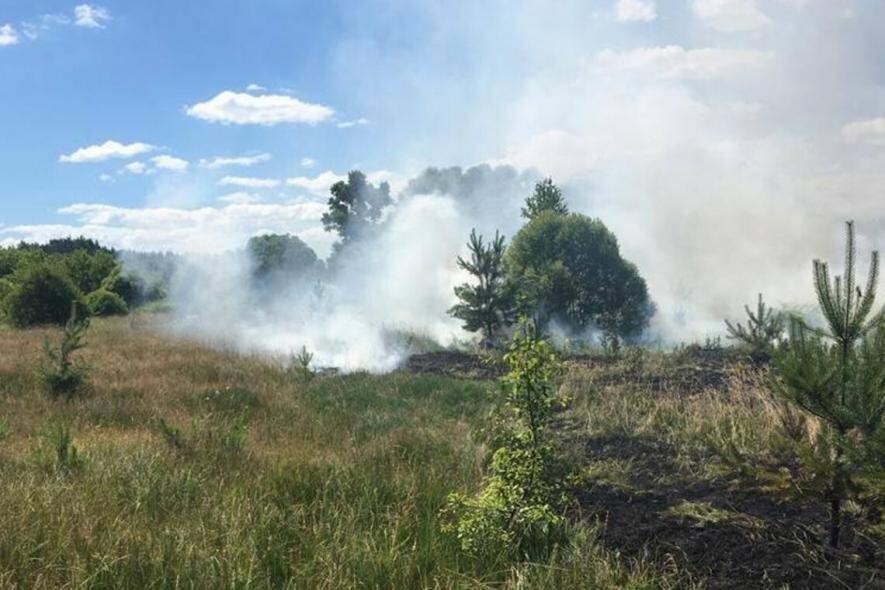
column 102, row 303
column 547, row 197
column 762, row 332
column 355, row 206
column 282, row 256
column 569, row 268
column 40, row 294
column 87, row 269
column 837, row 374
column 487, row 305
column 61, row 375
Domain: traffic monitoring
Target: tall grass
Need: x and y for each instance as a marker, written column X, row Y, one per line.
column 332, row 483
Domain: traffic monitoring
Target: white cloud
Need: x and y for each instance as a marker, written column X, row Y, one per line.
column 253, row 87
column 354, row 123
column 865, row 131
column 94, row 17
column 308, row 162
column 106, row 177
column 164, row 162
column 222, row 161
column 135, row 168
column 318, row 185
column 239, row 108
column 205, row 229
column 105, row 151
column 240, row 198
column 730, row 15
column 635, row 10
column 676, row 62
column 8, row 36
column 249, row 182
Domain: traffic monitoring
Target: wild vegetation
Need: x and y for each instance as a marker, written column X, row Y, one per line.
column 133, row 458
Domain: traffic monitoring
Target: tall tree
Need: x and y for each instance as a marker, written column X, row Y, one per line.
column 488, row 304
column 837, row 374
column 547, row 197
column 355, row 206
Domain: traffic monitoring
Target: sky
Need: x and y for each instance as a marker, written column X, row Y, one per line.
column 724, row 141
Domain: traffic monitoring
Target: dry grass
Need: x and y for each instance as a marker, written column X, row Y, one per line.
column 257, row 481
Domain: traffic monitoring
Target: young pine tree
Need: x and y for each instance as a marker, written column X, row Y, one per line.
column 61, row 376
column 838, row 375
column 762, row 332
column 489, row 304
column 547, row 197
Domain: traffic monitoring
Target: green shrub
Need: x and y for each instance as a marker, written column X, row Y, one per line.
column 61, row 376
column 518, row 513
column 40, row 295
column 66, row 456
column 103, row 303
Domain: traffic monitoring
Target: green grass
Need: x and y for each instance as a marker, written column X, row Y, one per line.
column 333, row 483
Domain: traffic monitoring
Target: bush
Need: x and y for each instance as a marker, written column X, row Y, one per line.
column 103, row 303
column 40, row 295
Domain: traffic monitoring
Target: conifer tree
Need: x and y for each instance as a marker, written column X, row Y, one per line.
column 547, row 197
column 838, row 375
column 763, row 330
column 488, row 305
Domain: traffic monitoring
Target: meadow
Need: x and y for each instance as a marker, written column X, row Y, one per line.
column 188, row 466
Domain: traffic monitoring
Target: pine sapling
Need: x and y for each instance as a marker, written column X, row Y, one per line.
column 763, row 331
column 60, row 375
column 837, row 374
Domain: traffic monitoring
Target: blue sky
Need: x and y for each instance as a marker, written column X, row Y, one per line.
column 686, row 125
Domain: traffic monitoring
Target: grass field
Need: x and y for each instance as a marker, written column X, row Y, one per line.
column 203, row 468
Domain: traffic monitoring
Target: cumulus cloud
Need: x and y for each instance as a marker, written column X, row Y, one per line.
column 93, row 17
column 865, row 131
column 135, row 168
column 107, row 150
column 249, row 182
column 253, row 87
column 675, row 62
column 8, row 35
column 237, row 108
column 730, row 15
column 308, row 162
column 223, row 161
column 319, row 184
column 635, row 10
column 165, row 162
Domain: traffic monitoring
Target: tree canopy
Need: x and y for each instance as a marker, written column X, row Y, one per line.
column 547, row 197
column 569, row 268
column 355, row 206
column 278, row 255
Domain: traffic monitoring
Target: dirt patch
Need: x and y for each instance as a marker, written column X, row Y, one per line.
column 730, row 538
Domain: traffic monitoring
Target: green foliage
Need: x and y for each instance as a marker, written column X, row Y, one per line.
column 569, row 268
column 87, row 270
column 299, row 366
column 40, row 294
column 518, row 513
column 355, row 206
column 763, row 331
column 276, row 255
column 173, row 435
column 103, row 303
column 4, row 429
column 60, row 375
column 547, row 197
column 837, row 374
column 488, row 305
column 67, row 457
